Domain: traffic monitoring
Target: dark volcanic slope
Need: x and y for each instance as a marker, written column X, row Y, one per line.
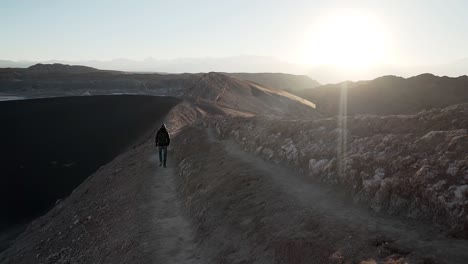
column 49, row 146
column 391, row 95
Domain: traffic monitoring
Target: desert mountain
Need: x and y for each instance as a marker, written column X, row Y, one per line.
column 52, row 71
column 246, row 63
column 59, row 68
column 287, row 82
column 65, row 80
column 390, row 94
column 225, row 93
column 234, row 94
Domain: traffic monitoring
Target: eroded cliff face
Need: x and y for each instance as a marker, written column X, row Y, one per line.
column 412, row 165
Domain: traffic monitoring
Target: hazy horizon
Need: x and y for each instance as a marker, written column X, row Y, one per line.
column 330, row 41
column 253, row 64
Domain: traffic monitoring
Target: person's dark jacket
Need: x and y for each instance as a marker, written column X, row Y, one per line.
column 162, row 137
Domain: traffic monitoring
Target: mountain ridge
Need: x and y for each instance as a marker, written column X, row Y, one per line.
column 284, row 81
column 390, row 94
column 59, row 68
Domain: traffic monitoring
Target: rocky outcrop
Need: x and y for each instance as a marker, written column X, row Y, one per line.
column 412, row 165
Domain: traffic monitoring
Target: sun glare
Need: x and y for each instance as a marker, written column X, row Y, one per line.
column 345, row 39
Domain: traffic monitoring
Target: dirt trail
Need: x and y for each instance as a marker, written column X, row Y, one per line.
column 325, row 201
column 127, row 212
column 171, row 237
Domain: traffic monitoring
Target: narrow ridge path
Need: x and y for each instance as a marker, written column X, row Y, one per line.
column 170, row 238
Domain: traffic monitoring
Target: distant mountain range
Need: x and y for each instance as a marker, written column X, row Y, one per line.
column 255, row 64
column 55, row 70
column 189, row 65
column 382, row 96
column 217, row 91
column 59, row 68
column 281, row 81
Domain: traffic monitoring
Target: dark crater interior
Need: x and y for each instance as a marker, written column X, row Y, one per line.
column 49, row 146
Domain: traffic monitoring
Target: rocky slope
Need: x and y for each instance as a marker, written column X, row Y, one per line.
column 236, row 95
column 390, row 95
column 249, row 210
column 411, row 165
column 287, row 82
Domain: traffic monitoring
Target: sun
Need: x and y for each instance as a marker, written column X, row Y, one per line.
column 347, row 39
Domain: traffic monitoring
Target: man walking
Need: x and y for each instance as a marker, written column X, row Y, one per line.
column 162, row 141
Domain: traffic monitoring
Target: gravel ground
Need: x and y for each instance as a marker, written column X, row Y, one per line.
column 258, row 212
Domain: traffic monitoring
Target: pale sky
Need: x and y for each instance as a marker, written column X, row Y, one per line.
column 410, row 32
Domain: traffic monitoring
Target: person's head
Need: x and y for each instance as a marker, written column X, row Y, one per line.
column 163, row 126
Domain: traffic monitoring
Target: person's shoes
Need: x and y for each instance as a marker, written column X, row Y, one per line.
column 160, row 164
column 164, row 165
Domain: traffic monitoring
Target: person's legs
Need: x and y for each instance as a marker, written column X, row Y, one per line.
column 160, row 156
column 165, row 155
